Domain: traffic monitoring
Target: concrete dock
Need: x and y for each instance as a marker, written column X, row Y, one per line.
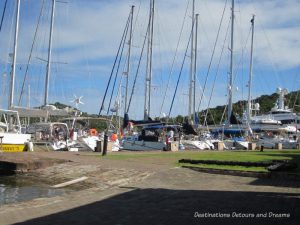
column 21, row 162
column 147, row 191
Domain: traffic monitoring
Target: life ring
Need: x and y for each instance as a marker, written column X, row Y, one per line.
column 114, row 137
column 93, row 132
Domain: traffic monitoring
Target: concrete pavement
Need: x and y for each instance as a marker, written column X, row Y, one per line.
column 155, row 192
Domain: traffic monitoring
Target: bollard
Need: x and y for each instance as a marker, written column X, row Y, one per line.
column 174, row 147
column 262, row 148
column 29, row 146
column 1, row 145
column 105, row 144
column 220, row 146
column 278, row 146
column 251, row 146
column 98, row 147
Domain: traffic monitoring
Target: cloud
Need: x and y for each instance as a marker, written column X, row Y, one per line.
column 87, row 34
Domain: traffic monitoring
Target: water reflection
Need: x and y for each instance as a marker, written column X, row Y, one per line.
column 18, row 188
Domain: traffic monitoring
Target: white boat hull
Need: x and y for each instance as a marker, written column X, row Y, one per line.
column 238, row 145
column 143, row 145
column 14, row 142
column 201, row 145
column 90, row 141
column 271, row 143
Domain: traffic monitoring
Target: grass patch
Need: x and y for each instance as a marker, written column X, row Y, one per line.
column 244, row 156
column 241, row 156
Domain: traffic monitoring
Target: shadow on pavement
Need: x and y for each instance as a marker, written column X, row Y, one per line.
column 164, row 206
column 283, row 182
column 276, row 182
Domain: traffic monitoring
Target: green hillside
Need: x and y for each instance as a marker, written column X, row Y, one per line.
column 266, row 102
column 214, row 116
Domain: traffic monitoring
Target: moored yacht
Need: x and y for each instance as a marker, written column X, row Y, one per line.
column 153, row 137
column 280, row 112
column 11, row 138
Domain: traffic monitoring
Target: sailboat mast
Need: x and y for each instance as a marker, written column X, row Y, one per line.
column 28, row 97
column 230, row 88
column 150, row 59
column 195, row 69
column 49, row 55
column 28, row 102
column 13, row 72
column 190, row 111
column 128, row 59
column 250, row 70
column 149, row 63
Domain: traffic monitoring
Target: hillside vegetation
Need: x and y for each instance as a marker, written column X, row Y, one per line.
column 266, row 102
column 216, row 115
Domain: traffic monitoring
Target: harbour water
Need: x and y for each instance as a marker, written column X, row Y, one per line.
column 19, row 188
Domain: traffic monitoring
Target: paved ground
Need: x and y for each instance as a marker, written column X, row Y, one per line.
column 147, row 191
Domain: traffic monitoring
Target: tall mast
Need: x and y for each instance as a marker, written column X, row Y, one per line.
column 195, row 69
column 49, row 55
column 150, row 62
column 28, row 97
column 190, row 111
column 250, row 71
column 13, row 72
column 28, row 102
column 147, row 105
column 129, row 53
column 230, row 88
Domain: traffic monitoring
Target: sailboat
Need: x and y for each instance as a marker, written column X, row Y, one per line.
column 46, row 110
column 153, row 133
column 233, row 128
column 190, row 138
column 273, row 121
column 55, row 133
column 11, row 138
column 250, row 124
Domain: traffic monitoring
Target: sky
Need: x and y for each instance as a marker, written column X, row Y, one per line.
column 87, row 34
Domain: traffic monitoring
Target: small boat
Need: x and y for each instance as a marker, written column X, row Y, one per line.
column 270, row 141
column 11, row 138
column 153, row 137
column 237, row 143
column 55, row 134
column 198, row 144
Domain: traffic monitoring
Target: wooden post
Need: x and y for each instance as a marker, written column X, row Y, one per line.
column 220, row 146
column 98, row 146
column 278, row 146
column 1, row 145
column 251, row 146
column 105, row 144
column 174, row 146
